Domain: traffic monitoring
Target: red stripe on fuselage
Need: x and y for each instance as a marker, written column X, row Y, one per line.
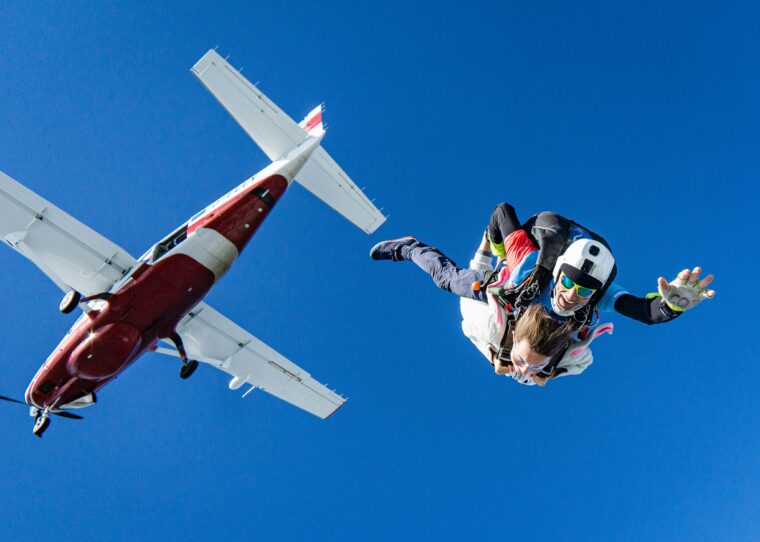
column 238, row 219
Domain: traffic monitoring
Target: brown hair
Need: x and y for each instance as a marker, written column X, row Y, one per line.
column 544, row 334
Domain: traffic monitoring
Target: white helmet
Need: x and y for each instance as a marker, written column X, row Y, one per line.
column 586, row 262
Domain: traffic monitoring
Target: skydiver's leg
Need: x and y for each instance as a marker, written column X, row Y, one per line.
column 444, row 272
column 503, row 222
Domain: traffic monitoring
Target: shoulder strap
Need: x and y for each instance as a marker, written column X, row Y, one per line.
column 551, row 367
column 505, row 345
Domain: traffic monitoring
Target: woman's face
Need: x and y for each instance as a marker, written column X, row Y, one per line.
column 525, row 359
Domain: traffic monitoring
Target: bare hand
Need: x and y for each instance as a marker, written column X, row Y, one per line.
column 503, row 369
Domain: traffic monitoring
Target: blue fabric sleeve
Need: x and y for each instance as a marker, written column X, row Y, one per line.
column 607, row 303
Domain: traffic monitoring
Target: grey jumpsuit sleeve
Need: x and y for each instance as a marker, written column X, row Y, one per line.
column 550, row 232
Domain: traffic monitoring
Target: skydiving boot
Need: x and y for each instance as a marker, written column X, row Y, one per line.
column 391, row 250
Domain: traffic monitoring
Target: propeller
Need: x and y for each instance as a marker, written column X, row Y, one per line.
column 62, row 414
column 69, row 415
column 11, row 400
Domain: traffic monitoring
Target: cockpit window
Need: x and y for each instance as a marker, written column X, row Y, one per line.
column 168, row 243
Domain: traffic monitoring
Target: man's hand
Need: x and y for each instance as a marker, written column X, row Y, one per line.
column 685, row 291
column 539, row 380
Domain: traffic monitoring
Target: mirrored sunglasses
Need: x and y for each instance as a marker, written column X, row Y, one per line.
column 582, row 291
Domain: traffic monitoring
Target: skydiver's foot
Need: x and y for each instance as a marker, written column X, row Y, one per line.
column 391, row 250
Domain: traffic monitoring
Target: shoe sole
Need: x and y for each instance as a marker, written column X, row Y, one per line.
column 372, row 250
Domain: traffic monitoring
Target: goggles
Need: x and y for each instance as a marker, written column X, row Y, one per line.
column 581, row 291
column 517, row 361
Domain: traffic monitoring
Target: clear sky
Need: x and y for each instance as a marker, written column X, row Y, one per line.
column 641, row 120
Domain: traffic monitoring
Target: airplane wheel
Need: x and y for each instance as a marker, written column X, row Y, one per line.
column 188, row 369
column 69, row 302
column 40, row 425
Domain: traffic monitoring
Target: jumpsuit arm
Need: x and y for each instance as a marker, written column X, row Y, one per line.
column 550, row 231
column 648, row 310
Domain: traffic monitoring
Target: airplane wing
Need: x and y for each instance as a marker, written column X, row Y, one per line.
column 212, row 338
column 72, row 255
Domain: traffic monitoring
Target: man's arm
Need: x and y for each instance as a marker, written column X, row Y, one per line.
column 684, row 292
column 648, row 310
column 550, row 231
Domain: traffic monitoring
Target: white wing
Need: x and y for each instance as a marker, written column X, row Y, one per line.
column 324, row 178
column 68, row 252
column 272, row 129
column 212, row 338
column 277, row 134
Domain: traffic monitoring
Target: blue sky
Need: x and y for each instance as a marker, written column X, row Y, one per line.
column 638, row 119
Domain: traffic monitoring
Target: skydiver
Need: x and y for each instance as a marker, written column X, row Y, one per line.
column 572, row 268
column 572, row 275
column 519, row 349
column 485, row 325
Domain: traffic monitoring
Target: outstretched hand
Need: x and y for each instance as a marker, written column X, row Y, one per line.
column 686, row 290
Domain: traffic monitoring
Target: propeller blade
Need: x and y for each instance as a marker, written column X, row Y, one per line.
column 68, row 415
column 11, row 400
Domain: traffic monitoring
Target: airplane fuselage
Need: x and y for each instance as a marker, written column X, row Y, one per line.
column 155, row 294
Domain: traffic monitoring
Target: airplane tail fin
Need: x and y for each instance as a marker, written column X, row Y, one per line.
column 312, row 122
column 277, row 134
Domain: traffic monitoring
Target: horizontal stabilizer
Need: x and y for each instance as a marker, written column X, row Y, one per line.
column 277, row 134
column 324, row 178
column 270, row 128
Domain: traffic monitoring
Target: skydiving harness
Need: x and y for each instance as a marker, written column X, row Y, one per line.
column 515, row 301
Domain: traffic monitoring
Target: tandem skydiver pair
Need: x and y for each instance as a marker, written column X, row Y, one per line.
column 535, row 313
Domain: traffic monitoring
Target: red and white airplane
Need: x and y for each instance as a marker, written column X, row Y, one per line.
column 130, row 305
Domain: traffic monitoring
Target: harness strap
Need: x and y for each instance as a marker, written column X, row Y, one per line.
column 551, row 367
column 506, row 343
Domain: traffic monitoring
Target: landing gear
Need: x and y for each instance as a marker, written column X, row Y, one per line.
column 188, row 365
column 41, row 423
column 187, row 369
column 70, row 301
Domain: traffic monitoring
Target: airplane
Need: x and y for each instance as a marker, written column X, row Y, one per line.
column 155, row 303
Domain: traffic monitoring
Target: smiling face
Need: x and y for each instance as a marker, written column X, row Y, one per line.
column 537, row 337
column 567, row 295
column 586, row 264
column 525, row 359
column 568, row 300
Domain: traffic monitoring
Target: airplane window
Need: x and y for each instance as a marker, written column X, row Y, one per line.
column 197, row 215
column 168, row 243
